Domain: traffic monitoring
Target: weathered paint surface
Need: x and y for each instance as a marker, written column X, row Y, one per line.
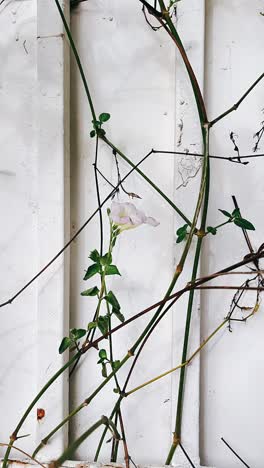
column 19, row 210
column 232, row 377
column 150, row 107
column 132, row 74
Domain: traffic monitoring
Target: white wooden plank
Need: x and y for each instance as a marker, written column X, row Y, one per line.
column 53, row 219
column 144, row 86
column 232, row 377
column 18, row 206
column 137, row 88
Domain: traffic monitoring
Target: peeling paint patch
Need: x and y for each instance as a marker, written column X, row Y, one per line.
column 188, row 168
column 180, row 127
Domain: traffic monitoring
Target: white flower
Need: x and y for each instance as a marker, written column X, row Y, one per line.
column 127, row 216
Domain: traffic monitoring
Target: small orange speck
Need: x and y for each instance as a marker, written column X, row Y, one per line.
column 40, row 413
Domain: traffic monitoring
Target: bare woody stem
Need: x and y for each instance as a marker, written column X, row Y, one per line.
column 58, row 254
column 174, row 297
column 237, row 104
column 23, row 452
column 134, row 167
column 97, row 210
column 108, row 422
column 145, row 177
column 85, row 83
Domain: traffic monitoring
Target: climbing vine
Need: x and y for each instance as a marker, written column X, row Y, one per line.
column 108, row 315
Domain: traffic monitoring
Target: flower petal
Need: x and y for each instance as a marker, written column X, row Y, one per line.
column 152, row 221
column 127, row 216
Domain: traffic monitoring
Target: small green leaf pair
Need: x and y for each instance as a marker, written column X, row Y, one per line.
column 212, row 230
column 112, row 300
column 182, row 233
column 236, row 218
column 103, row 359
column 101, row 323
column 97, row 267
column 68, row 341
column 97, row 124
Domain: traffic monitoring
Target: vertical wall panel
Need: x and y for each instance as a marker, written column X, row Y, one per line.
column 18, row 201
column 53, row 219
column 232, row 376
column 131, row 71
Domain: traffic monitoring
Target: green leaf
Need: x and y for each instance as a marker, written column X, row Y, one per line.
column 180, row 238
column 244, row 224
column 111, row 299
column 106, row 259
column 103, row 354
column 92, row 133
column 225, row 213
column 102, row 324
column 111, row 270
column 65, row 344
column 91, row 271
column 95, row 256
column 115, row 364
column 96, row 124
column 182, row 230
column 104, row 117
column 76, row 334
column 92, row 325
column 104, row 370
column 91, row 292
column 236, row 213
column 212, row 230
column 116, row 390
column 118, row 315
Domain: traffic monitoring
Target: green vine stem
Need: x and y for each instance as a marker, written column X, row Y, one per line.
column 168, row 25
column 204, row 186
column 179, row 366
column 85, row 83
column 170, row 28
column 175, row 297
column 84, row 404
column 251, row 258
column 178, row 422
column 203, row 120
column 78, row 232
column 72, row 447
column 24, row 453
column 13, row 436
column 125, row 158
column 203, row 197
column 114, row 411
column 77, row 58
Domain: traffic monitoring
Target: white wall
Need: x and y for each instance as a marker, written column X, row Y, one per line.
column 137, row 77
column 137, row 86
column 18, row 181
column 232, row 377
